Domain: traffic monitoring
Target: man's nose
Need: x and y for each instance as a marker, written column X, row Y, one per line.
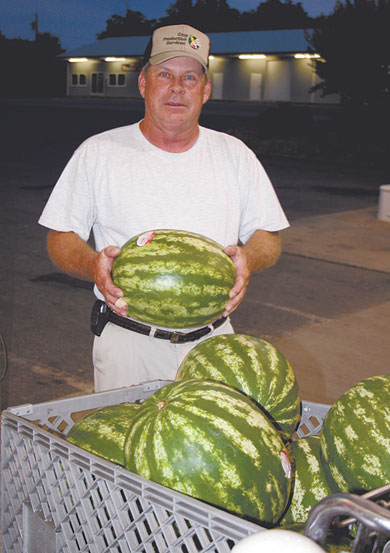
column 177, row 85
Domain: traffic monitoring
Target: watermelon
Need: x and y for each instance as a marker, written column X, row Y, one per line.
column 174, row 278
column 209, row 441
column 103, row 431
column 309, row 482
column 252, row 365
column 355, row 437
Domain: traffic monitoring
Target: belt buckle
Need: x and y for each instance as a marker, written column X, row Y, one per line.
column 175, row 337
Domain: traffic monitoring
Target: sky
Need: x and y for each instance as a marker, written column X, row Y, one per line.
column 76, row 22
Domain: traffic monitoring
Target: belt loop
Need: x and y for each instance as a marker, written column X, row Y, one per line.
column 152, row 332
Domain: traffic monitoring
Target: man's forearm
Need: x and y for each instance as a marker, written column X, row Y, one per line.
column 72, row 254
column 263, row 249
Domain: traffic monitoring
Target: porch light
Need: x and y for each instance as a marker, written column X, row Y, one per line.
column 306, row 56
column 74, row 60
column 112, row 58
column 252, row 56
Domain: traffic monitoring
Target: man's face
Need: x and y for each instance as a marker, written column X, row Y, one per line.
column 174, row 92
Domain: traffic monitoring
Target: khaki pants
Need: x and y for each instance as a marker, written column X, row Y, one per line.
column 123, row 358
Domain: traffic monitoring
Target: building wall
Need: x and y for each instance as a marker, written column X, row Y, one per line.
column 100, row 78
column 276, row 78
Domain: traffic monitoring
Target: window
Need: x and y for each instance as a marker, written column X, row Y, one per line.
column 117, row 79
column 78, row 79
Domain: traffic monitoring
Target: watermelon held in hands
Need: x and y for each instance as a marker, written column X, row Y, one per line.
column 211, row 442
column 355, row 437
column 253, row 366
column 103, row 431
column 174, row 278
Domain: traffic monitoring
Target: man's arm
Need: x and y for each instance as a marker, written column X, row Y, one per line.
column 75, row 256
column 261, row 251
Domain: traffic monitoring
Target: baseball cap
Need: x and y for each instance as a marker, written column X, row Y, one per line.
column 177, row 40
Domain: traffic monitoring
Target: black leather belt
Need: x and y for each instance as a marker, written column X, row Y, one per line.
column 102, row 314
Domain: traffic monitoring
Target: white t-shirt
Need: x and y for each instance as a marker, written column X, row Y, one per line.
column 119, row 184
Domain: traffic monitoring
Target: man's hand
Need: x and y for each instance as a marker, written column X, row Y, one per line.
column 75, row 256
column 261, row 251
column 237, row 293
column 102, row 278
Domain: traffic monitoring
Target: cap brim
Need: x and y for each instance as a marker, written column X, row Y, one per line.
column 164, row 56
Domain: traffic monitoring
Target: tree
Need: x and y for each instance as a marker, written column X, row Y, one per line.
column 354, row 45
column 275, row 14
column 212, row 16
column 32, row 68
column 179, row 11
column 207, row 15
column 134, row 23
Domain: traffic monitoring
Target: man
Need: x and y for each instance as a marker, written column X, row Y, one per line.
column 164, row 172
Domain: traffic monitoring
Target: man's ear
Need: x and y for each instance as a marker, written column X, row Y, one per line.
column 142, row 84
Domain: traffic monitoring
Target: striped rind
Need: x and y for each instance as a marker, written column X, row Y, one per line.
column 211, row 442
column 177, row 280
column 355, row 437
column 309, row 482
column 103, row 432
column 255, row 367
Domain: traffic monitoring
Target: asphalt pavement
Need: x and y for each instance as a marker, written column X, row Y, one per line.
column 325, row 304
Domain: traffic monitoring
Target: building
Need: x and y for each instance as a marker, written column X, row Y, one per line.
column 254, row 65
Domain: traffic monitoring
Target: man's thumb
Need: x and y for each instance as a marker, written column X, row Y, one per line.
column 111, row 251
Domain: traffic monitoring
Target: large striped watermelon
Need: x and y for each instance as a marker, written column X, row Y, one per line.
column 103, row 431
column 253, row 366
column 309, row 481
column 209, row 441
column 174, row 278
column 355, row 436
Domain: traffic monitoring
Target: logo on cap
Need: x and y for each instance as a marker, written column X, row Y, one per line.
column 193, row 42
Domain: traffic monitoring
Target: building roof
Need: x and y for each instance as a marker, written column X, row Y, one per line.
column 243, row 42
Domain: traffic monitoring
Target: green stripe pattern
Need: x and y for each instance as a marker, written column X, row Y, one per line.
column 178, row 279
column 309, row 481
column 253, row 366
column 355, row 437
column 209, row 441
column 103, row 432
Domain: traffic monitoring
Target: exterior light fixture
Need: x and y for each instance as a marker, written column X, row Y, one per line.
column 306, row 56
column 112, row 58
column 252, row 56
column 74, row 60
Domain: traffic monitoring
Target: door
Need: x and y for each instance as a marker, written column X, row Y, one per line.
column 255, row 85
column 278, row 81
column 97, row 83
column 217, row 88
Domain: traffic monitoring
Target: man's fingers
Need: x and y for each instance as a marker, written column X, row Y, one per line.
column 233, row 304
column 120, row 303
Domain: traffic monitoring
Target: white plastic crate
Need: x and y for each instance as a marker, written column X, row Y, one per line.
column 58, row 498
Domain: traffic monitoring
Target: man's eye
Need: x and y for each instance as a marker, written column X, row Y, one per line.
column 164, row 74
column 189, row 77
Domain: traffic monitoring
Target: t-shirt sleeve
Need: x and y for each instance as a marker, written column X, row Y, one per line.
column 260, row 207
column 70, row 206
